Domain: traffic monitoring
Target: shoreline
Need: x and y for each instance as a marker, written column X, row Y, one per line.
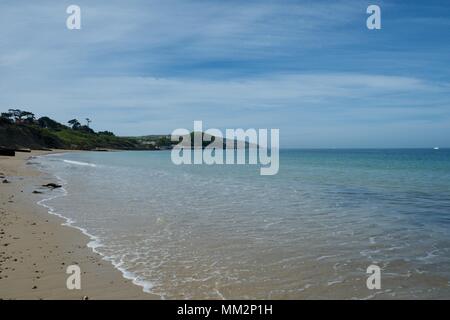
column 36, row 245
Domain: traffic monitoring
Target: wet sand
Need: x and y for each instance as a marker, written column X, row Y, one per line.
column 35, row 249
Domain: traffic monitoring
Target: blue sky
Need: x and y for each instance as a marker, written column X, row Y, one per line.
column 310, row 68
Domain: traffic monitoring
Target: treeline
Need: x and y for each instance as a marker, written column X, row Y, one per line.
column 21, row 129
column 17, row 116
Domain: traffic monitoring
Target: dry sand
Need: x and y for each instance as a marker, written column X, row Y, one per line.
column 35, row 249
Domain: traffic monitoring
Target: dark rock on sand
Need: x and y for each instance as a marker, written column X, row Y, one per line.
column 52, row 185
column 23, row 150
column 7, row 152
column 35, row 191
column 6, row 181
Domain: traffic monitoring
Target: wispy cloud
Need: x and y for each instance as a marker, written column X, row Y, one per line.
column 303, row 66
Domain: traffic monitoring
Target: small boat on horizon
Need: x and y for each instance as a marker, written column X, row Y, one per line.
column 436, row 148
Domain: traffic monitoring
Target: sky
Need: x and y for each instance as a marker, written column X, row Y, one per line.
column 311, row 69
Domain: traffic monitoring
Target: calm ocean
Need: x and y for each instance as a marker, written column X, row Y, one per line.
column 310, row 231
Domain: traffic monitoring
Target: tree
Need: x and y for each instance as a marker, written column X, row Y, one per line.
column 74, row 123
column 7, row 115
column 106, row 133
column 27, row 117
column 46, row 122
column 88, row 121
column 6, row 118
column 85, row 129
column 22, row 116
column 163, row 141
column 15, row 114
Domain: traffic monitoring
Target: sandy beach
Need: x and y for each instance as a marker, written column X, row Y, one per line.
column 35, row 249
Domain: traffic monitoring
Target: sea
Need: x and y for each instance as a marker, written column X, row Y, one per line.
column 316, row 230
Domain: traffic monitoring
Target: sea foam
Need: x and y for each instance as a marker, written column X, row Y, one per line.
column 80, row 163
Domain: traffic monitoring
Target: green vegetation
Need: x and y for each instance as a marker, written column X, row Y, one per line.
column 20, row 129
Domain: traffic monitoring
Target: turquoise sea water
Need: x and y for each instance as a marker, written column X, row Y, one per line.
column 311, row 231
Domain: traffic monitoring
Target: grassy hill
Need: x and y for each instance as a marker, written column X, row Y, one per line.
column 17, row 132
column 34, row 137
column 20, row 129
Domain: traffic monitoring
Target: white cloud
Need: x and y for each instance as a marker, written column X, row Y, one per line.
column 139, row 67
column 206, row 98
